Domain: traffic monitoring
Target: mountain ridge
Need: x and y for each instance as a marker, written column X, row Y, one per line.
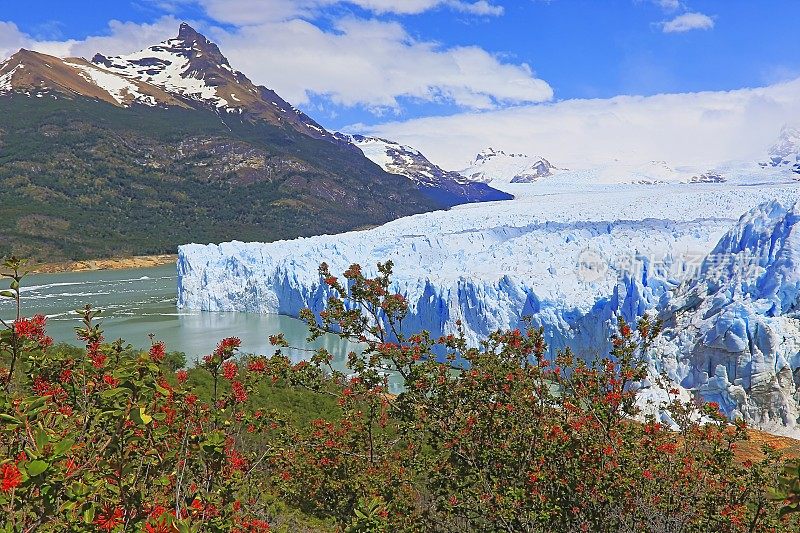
column 95, row 163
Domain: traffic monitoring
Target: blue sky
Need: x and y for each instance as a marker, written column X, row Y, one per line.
column 376, row 64
column 581, row 48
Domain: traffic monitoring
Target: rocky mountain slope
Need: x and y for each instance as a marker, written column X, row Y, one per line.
column 450, row 188
column 140, row 153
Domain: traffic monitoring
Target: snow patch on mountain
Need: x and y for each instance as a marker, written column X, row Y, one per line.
column 5, row 79
column 167, row 65
column 121, row 89
column 450, row 188
column 496, row 166
column 785, row 153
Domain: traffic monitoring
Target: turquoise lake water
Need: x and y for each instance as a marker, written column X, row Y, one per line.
column 138, row 302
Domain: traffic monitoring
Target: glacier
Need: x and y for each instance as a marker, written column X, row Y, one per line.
column 733, row 334
column 571, row 257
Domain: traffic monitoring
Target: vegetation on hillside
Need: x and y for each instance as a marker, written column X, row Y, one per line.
column 83, row 179
column 110, row 439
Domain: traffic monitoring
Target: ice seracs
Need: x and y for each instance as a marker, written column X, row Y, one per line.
column 733, row 334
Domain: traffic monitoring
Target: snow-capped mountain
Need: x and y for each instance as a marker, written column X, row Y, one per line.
column 188, row 71
column 785, row 153
column 449, row 187
column 193, row 68
column 38, row 75
column 497, row 166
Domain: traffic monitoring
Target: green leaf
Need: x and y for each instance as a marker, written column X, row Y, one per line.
column 8, row 294
column 8, row 419
column 140, row 417
column 36, row 404
column 79, row 489
column 63, row 446
column 41, row 439
column 35, row 468
column 88, row 514
column 110, row 393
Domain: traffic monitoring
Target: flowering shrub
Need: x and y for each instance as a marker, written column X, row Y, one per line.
column 488, row 438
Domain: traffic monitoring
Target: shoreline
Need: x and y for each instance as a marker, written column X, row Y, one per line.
column 114, row 263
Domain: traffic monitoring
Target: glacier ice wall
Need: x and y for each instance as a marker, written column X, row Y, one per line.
column 574, row 257
column 733, row 334
column 573, row 260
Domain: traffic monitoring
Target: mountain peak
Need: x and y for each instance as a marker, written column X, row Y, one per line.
column 193, row 68
column 492, row 165
column 187, row 33
column 786, row 151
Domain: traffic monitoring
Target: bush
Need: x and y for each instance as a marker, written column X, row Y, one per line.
column 506, row 440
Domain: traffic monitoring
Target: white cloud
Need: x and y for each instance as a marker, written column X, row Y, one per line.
column 668, row 5
column 243, row 12
column 374, row 63
column 11, row 39
column 359, row 62
column 122, row 37
column 682, row 129
column 687, row 22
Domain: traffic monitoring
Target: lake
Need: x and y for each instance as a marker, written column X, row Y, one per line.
column 138, row 302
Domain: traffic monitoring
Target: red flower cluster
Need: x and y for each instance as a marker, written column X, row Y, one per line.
column 158, row 351
column 226, row 347
column 10, row 477
column 258, row 366
column 239, row 392
column 33, row 330
column 182, row 375
column 109, row 518
column 229, row 370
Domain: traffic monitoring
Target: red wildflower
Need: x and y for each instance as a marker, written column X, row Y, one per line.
column 70, row 465
column 229, row 370
column 33, row 329
column 226, row 347
column 109, row 518
column 236, row 461
column 159, row 527
column 158, row 351
column 257, row 365
column 668, row 448
column 10, row 477
column 182, row 375
column 648, row 474
column 110, row 380
column 239, row 392
column 255, row 526
column 41, row 386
